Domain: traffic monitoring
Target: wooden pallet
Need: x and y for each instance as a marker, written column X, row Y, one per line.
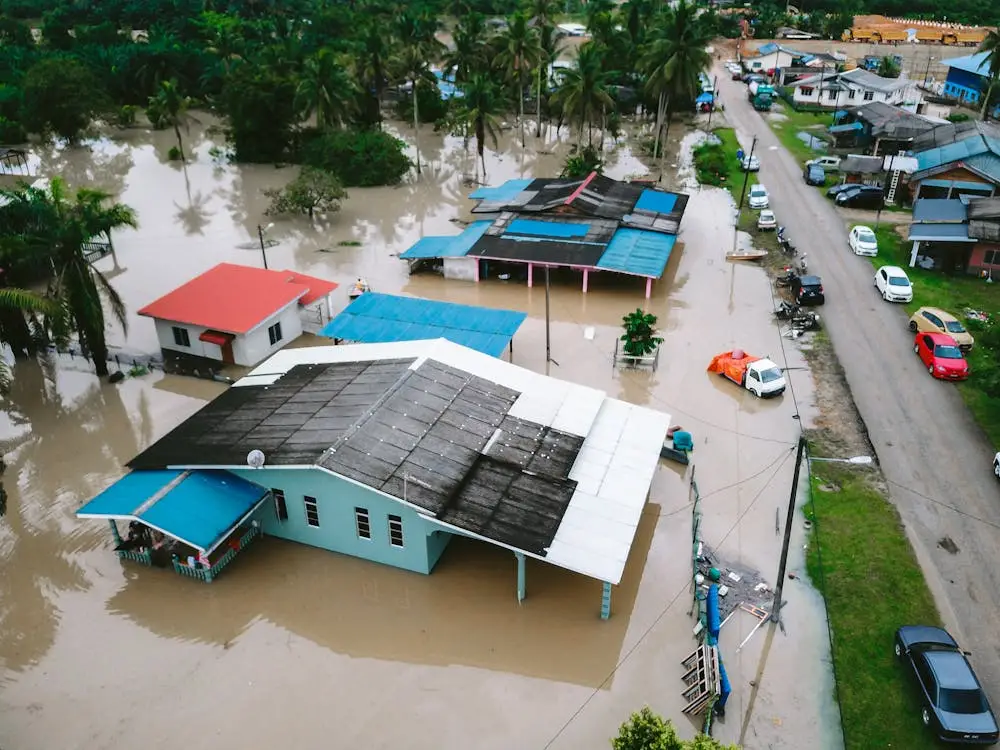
column 757, row 612
column 701, row 678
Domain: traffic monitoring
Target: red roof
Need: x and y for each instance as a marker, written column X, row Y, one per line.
column 236, row 298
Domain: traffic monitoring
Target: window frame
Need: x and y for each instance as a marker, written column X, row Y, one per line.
column 362, row 518
column 181, row 336
column 396, row 532
column 274, row 333
column 869, row 96
column 806, row 90
column 280, row 504
column 308, row 502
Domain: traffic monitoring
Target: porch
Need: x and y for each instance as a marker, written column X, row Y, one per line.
column 196, row 522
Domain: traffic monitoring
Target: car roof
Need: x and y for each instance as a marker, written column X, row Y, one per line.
column 757, row 186
column 951, row 670
column 863, row 228
column 943, row 339
column 943, row 314
column 894, row 270
column 810, row 280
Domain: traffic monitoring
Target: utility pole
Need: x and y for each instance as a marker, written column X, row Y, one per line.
column 715, row 99
column 263, row 247
column 746, row 174
column 780, row 584
column 548, row 339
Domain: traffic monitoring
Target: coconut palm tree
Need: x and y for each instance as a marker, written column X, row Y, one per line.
column 672, row 60
column 521, row 51
column 372, row 63
column 991, row 46
column 583, row 93
column 419, row 47
column 325, row 89
column 57, row 226
column 471, row 54
column 543, row 14
column 19, row 303
column 483, row 104
column 170, row 107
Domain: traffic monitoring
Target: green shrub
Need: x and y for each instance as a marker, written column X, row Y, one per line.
column 126, row 116
column 360, row 158
column 174, row 154
column 710, row 164
column 581, row 162
column 431, row 107
column 11, row 132
column 957, row 117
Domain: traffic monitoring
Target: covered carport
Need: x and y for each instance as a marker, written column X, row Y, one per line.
column 941, row 246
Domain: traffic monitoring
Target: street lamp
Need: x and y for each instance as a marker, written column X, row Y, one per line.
column 856, row 460
column 263, row 247
column 927, row 70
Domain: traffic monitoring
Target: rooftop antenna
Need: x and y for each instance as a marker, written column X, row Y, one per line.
column 255, row 459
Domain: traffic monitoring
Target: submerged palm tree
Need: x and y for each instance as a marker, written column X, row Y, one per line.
column 19, row 303
column 471, row 54
column 583, row 93
column 543, row 15
column 372, row 64
column 53, row 225
column 991, row 46
column 326, row 90
column 419, row 48
column 170, row 108
column 483, row 104
column 521, row 52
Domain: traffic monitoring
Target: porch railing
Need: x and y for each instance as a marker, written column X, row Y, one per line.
column 135, row 556
column 209, row 574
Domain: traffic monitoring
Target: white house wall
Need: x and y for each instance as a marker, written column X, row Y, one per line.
column 769, row 62
column 165, row 334
column 255, row 345
column 463, row 269
column 844, row 98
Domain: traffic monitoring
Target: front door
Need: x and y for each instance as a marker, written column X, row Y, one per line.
column 227, row 353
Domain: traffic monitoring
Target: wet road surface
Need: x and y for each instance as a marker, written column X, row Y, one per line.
column 298, row 647
column 934, row 456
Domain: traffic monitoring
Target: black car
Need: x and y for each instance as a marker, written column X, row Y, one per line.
column 807, row 290
column 955, row 706
column 862, row 196
column 814, row 174
column 838, row 189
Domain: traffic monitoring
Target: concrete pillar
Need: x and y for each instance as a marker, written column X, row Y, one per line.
column 951, row 186
column 649, row 287
column 585, row 272
column 521, row 590
column 475, row 271
column 606, row 601
column 913, row 254
column 531, row 274
column 114, row 532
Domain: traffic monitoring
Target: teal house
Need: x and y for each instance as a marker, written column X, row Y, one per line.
column 385, row 452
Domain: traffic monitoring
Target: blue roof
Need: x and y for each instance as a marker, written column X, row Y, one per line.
column 638, row 252
column 199, row 508
column 501, row 193
column 939, row 233
column 845, row 128
column 447, row 247
column 381, row 318
column 959, row 151
column 560, row 229
column 656, row 201
column 977, row 64
column 939, row 210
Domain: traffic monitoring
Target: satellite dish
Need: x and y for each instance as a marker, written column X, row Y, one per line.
column 255, row 459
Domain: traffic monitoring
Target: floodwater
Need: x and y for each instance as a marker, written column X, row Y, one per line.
column 327, row 649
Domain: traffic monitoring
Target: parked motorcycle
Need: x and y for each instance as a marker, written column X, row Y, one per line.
column 787, row 277
column 805, row 321
column 786, row 310
column 803, row 265
column 784, row 243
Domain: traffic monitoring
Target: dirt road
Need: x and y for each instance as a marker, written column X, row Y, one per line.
column 934, row 457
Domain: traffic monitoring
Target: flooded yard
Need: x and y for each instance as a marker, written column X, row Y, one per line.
column 98, row 653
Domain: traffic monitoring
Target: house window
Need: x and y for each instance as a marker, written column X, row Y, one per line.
column 312, row 511
column 363, row 523
column 395, row 531
column 181, row 337
column 274, row 333
column 869, row 95
column 991, row 258
column 831, row 95
column 280, row 507
column 851, row 94
column 806, row 91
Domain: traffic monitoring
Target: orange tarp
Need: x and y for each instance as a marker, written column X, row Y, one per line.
column 732, row 366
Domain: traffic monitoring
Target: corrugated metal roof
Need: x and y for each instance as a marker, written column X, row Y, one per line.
column 379, row 318
column 846, row 128
column 977, row 64
column 979, row 152
column 199, row 508
column 937, row 210
column 939, row 233
column 638, row 252
column 503, row 192
column 656, row 201
column 984, row 208
column 868, row 80
column 558, row 229
column 447, row 247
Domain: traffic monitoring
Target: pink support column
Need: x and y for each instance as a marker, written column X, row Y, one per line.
column 649, row 287
column 585, row 272
column 531, row 274
column 475, row 271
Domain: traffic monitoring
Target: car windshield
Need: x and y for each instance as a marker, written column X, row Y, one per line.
column 757, row 192
column 867, row 237
column 769, row 376
column 899, row 281
column 947, row 351
column 962, row 701
column 953, row 326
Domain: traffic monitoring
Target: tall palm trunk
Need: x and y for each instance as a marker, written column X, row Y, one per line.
column 520, row 101
column 416, row 125
column 984, row 113
column 666, row 132
column 180, row 142
column 660, row 107
column 538, row 105
column 480, row 145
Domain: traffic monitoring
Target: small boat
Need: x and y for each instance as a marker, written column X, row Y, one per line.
column 747, row 255
column 360, row 287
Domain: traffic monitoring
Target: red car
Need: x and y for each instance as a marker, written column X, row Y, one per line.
column 940, row 353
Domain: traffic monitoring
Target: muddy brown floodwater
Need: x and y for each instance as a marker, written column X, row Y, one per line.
column 298, row 647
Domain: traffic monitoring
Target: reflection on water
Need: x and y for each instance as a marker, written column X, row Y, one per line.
column 122, row 654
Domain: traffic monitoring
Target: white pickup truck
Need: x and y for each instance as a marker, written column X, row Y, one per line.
column 759, row 375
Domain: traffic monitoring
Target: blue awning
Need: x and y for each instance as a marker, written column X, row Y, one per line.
column 638, row 252
column 382, row 318
column 845, row 128
column 447, row 247
column 939, row 233
column 199, row 508
column 704, row 98
column 957, row 184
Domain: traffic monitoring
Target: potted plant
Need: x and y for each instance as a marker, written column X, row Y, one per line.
column 639, row 339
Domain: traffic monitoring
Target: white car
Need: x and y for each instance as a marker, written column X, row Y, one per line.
column 751, row 164
column 996, row 465
column 829, row 163
column 767, row 220
column 893, row 284
column 863, row 241
column 758, row 197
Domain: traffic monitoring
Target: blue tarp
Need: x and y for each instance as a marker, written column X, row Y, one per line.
column 846, row 128
column 704, row 98
column 447, row 247
column 558, row 229
column 638, row 252
column 199, row 508
column 381, row 318
column 502, row 192
column 656, row 201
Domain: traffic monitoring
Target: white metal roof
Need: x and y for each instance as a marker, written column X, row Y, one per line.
column 614, row 468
